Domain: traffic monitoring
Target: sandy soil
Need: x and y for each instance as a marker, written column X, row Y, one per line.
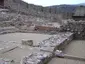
column 17, row 37
column 75, row 48
column 18, row 53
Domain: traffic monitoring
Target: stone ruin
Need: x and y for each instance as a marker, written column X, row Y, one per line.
column 5, row 61
column 48, row 48
column 76, row 27
column 73, row 29
column 27, row 42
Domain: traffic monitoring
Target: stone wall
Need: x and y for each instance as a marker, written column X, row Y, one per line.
column 47, row 49
column 76, row 27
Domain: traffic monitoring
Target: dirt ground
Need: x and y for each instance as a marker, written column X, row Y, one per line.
column 18, row 37
column 18, row 53
column 75, row 48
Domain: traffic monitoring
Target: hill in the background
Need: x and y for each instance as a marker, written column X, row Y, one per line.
column 66, row 8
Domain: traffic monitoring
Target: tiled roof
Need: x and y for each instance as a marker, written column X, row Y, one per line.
column 80, row 11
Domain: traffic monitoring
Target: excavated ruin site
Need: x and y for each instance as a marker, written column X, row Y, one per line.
column 32, row 34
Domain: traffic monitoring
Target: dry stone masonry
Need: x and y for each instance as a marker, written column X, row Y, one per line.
column 19, row 16
column 76, row 27
column 48, row 48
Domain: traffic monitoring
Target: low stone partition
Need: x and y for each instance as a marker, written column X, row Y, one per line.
column 37, row 58
column 58, row 41
column 47, row 48
column 5, row 61
column 66, row 41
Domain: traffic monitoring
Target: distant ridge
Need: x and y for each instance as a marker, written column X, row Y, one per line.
column 66, row 7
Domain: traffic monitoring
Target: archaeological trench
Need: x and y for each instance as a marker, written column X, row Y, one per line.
column 32, row 34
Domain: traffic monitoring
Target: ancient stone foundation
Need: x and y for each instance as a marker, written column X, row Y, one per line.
column 76, row 27
column 48, row 48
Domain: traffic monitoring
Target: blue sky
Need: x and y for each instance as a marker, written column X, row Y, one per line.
column 54, row 2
